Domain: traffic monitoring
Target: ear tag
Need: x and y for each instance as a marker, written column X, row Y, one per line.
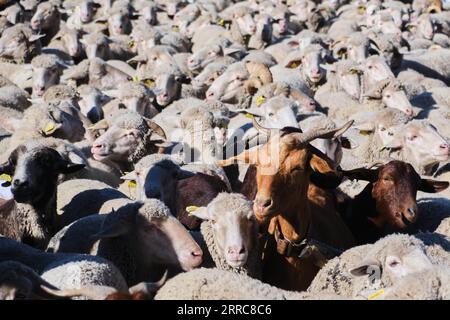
column 249, row 115
column 132, row 184
column 6, row 177
column 364, row 132
column 191, row 209
column 135, row 78
column 131, row 44
column 375, row 295
column 49, row 127
column 293, row 65
column 260, row 100
column 149, row 83
column 175, row 28
column 221, row 22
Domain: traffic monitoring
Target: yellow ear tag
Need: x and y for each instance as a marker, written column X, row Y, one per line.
column 260, row 100
column 191, row 209
column 132, row 184
column 364, row 132
column 249, row 115
column 293, row 65
column 135, row 78
column 353, row 71
column 175, row 28
column 375, row 294
column 221, row 22
column 131, row 44
column 49, row 127
column 149, row 82
column 5, row 177
column 361, row 10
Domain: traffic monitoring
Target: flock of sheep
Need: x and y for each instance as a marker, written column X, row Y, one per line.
column 224, row 149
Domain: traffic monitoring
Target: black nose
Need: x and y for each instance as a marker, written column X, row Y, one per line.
column 17, row 183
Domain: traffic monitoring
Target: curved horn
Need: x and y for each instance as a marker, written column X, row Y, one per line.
column 91, row 292
column 150, row 287
column 260, row 71
column 260, row 128
column 323, row 134
column 156, row 128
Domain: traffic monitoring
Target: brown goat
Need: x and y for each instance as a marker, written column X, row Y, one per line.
column 291, row 209
column 388, row 203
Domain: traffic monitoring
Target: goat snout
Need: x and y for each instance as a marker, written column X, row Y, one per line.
column 262, row 206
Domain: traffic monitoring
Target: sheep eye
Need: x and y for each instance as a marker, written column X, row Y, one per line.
column 382, row 129
column 370, row 67
column 393, row 264
column 390, row 133
column 411, row 138
column 213, row 221
column 388, row 96
column 270, row 114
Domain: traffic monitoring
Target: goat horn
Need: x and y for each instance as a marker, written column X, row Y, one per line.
column 91, row 292
column 261, row 129
column 150, row 287
column 156, row 128
column 323, row 134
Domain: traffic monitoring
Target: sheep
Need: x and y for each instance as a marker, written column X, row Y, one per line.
column 366, row 268
column 140, row 238
column 72, row 199
column 64, row 270
column 433, row 64
column 374, row 131
column 235, row 82
column 215, row 284
column 46, row 19
column 67, row 42
column 46, row 120
column 47, row 69
column 419, row 143
column 19, row 45
column 165, row 82
column 138, row 98
column 20, row 282
column 415, row 83
column 14, row 97
column 312, row 74
column 427, row 285
column 229, row 234
column 142, row 137
column 34, row 170
column 141, row 291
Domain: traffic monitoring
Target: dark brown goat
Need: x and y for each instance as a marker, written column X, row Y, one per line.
column 388, row 203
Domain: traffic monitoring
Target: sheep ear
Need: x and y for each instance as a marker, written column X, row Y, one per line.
column 199, row 212
column 395, row 143
column 10, row 124
column 100, row 125
column 113, row 229
column 294, row 44
column 432, row 186
column 329, row 67
column 367, row 267
column 35, row 37
column 368, row 126
column 184, row 174
column 67, row 167
column 348, row 143
column 129, row 176
column 230, row 51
